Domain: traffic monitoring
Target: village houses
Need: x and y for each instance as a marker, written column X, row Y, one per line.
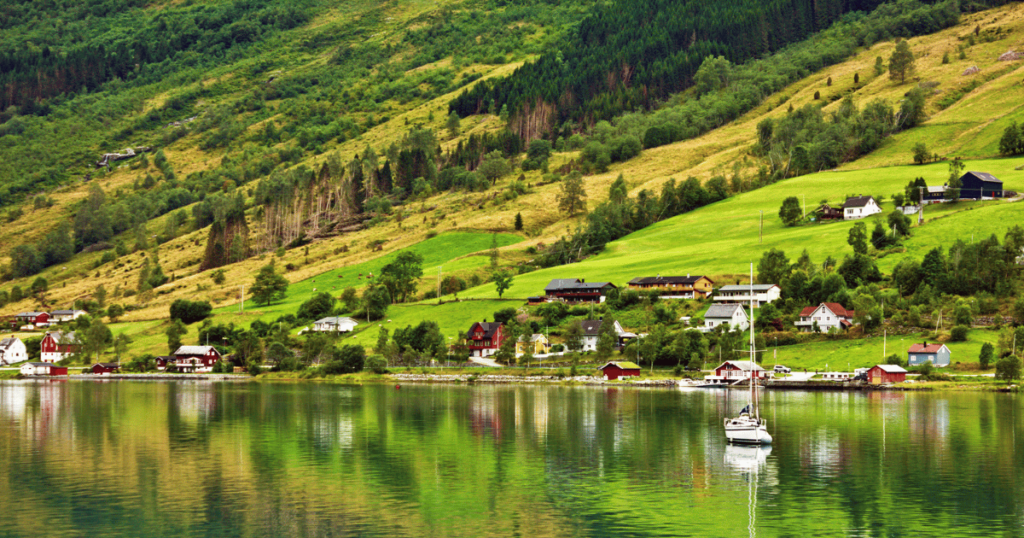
column 674, row 287
column 732, row 316
column 824, row 318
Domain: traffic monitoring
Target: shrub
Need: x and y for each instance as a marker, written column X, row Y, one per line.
column 349, row 359
column 377, row 365
column 959, row 333
column 190, row 311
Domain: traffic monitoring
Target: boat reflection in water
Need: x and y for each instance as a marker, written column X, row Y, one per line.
column 750, row 461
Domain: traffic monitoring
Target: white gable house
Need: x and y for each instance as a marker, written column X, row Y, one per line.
column 12, row 350
column 859, row 207
column 335, row 324
column 592, row 329
column 740, row 294
column 731, row 315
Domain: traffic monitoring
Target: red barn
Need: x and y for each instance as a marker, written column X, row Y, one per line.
column 734, row 370
column 101, row 368
column 39, row 319
column 195, row 359
column 58, row 370
column 57, row 346
column 484, row 339
column 616, row 369
column 886, row 373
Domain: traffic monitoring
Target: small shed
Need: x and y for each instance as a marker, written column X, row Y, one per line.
column 103, row 368
column 886, row 373
column 616, row 369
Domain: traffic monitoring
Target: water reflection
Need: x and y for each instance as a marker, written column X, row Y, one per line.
column 263, row 459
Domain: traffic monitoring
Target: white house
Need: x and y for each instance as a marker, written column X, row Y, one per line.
column 740, row 294
column 591, row 330
column 12, row 350
column 827, row 316
column 859, row 207
column 334, row 324
column 732, row 315
column 61, row 316
column 42, row 368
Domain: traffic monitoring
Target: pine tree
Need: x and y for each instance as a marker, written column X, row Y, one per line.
column 519, row 222
column 573, row 197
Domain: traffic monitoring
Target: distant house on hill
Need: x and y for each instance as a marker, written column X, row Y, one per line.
column 12, row 350
column 196, row 359
column 740, row 294
column 827, row 316
column 36, row 319
column 675, row 287
column 827, row 212
column 937, row 354
column 731, row 315
column 576, row 290
column 980, row 185
column 61, row 316
column 858, row 207
column 592, row 329
column 335, row 324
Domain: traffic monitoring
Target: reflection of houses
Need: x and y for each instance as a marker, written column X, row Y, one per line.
column 827, row 316
column 43, row 368
column 536, row 344
column 674, row 287
column 732, row 316
column 12, row 350
column 484, row 339
column 576, row 290
column 740, row 294
column 335, row 324
column 616, row 369
column 732, row 371
column 886, row 373
column 195, row 359
column 858, row 207
column 57, row 346
column 937, row 354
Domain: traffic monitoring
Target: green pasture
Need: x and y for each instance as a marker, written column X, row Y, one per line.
column 454, row 318
column 723, row 238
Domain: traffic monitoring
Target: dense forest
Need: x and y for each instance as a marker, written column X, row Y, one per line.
column 630, row 55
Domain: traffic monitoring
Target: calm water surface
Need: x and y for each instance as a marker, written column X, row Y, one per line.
column 122, row 458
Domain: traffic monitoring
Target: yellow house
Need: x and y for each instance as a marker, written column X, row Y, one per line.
column 675, row 287
column 536, row 344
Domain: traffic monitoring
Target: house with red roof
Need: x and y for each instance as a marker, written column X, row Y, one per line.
column 825, row 317
column 937, row 354
column 483, row 339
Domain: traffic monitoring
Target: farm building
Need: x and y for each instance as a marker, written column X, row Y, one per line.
column 979, row 185
column 827, row 212
column 57, row 346
column 937, row 354
column 886, row 373
column 335, row 324
column 195, row 359
column 576, row 290
column 675, row 287
column 37, row 319
column 858, row 207
column 616, row 369
column 104, row 368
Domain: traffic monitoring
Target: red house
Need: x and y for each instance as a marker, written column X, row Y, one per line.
column 39, row 319
column 57, row 346
column 195, row 359
column 616, row 369
column 102, row 368
column 733, row 371
column 484, row 339
column 886, row 373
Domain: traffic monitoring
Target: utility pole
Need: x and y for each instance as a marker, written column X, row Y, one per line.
column 241, row 300
column 804, row 198
column 920, row 215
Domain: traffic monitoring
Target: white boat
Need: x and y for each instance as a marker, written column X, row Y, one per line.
column 749, row 428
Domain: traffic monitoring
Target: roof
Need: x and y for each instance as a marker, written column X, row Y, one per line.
column 926, row 348
column 193, row 350
column 532, row 338
column 335, row 320
column 723, row 311
column 652, row 280
column 489, row 328
column 108, row 365
column 6, row 342
column 744, row 365
column 63, row 337
column 67, row 312
column 561, row 283
column 625, row 365
column 858, row 201
column 936, row 190
column 38, row 364
column 747, row 287
column 835, row 308
column 591, row 327
column 30, row 314
column 983, row 176
column 890, row 368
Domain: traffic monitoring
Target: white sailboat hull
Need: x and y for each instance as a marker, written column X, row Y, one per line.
column 744, row 430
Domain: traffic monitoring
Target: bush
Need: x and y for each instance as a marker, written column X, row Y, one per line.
column 377, row 365
column 347, row 360
column 190, row 311
column 959, row 333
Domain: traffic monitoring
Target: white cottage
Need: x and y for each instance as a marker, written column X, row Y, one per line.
column 61, row 316
column 731, row 315
column 592, row 329
column 334, row 324
column 826, row 316
column 12, row 350
column 859, row 207
column 741, row 293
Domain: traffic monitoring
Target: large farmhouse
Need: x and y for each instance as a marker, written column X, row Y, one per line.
column 576, row 290
column 675, row 287
column 196, row 359
column 57, row 346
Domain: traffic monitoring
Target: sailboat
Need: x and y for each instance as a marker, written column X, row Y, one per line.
column 749, row 428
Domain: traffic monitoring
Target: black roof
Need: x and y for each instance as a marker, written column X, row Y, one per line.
column 591, row 327
column 982, row 176
column 857, row 201
column 667, row 279
column 575, row 284
column 489, row 328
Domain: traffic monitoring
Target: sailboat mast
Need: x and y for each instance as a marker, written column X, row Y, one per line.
column 753, row 391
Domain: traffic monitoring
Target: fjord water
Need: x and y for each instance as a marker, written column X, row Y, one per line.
column 121, row 458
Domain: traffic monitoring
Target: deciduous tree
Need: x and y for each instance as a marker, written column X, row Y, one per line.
column 269, row 286
column 502, row 281
column 573, row 197
column 901, row 63
column 790, row 212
